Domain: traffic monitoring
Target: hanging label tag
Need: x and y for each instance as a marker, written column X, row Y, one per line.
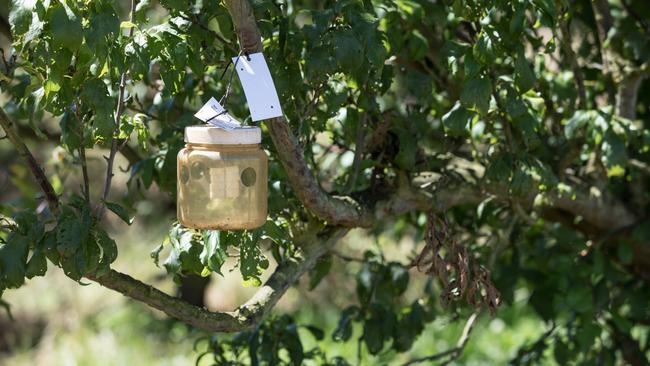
column 209, row 110
column 215, row 114
column 225, row 121
column 257, row 82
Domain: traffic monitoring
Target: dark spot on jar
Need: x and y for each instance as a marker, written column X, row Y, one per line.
column 248, row 177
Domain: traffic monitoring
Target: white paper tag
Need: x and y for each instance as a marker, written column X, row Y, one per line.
column 257, row 82
column 209, row 110
column 225, row 121
column 214, row 113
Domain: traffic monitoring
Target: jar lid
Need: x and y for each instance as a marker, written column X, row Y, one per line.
column 203, row 134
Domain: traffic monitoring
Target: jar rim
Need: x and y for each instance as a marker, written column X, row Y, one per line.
column 211, row 135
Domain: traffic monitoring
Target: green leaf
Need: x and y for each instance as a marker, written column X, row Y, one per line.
column 483, row 50
column 213, row 255
column 316, row 332
column 173, row 262
column 321, row 269
column 561, row 352
column 373, row 336
column 476, row 94
column 377, row 328
column 348, row 51
column 458, row 120
column 71, row 234
column 614, row 154
column 120, row 211
column 292, row 343
column 65, row 27
column 108, row 246
column 409, row 327
column 271, row 230
column 37, row 264
column 399, row 278
column 105, row 25
column 343, row 330
column 418, row 45
column 20, row 16
column 524, row 74
column 155, row 253
column 517, row 21
column 185, row 251
column 13, row 261
column 252, row 261
column 70, row 131
column 582, row 119
column 95, row 94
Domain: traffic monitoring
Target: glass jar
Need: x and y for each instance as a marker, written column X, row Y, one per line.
column 222, row 179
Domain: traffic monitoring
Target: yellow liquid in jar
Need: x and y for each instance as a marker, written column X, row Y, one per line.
column 222, row 188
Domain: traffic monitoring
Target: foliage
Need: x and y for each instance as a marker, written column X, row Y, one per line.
column 521, row 103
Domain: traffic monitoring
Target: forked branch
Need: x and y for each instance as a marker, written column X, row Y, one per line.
column 334, row 210
column 455, row 352
column 244, row 317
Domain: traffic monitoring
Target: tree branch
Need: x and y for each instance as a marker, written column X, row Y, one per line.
column 5, row 28
column 578, row 76
column 118, row 116
column 247, row 315
column 626, row 95
column 455, row 352
column 625, row 75
column 37, row 172
column 338, row 211
column 604, row 22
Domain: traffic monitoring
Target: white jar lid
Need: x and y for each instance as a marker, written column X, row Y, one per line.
column 203, row 134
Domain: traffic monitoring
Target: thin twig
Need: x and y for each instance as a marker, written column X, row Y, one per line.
column 37, row 171
column 118, row 116
column 452, row 353
column 638, row 18
column 347, row 258
column 82, row 157
column 194, row 20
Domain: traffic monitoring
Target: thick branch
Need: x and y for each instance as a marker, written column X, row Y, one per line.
column 172, row 306
column 626, row 95
column 5, row 28
column 246, row 316
column 37, row 172
column 334, row 210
